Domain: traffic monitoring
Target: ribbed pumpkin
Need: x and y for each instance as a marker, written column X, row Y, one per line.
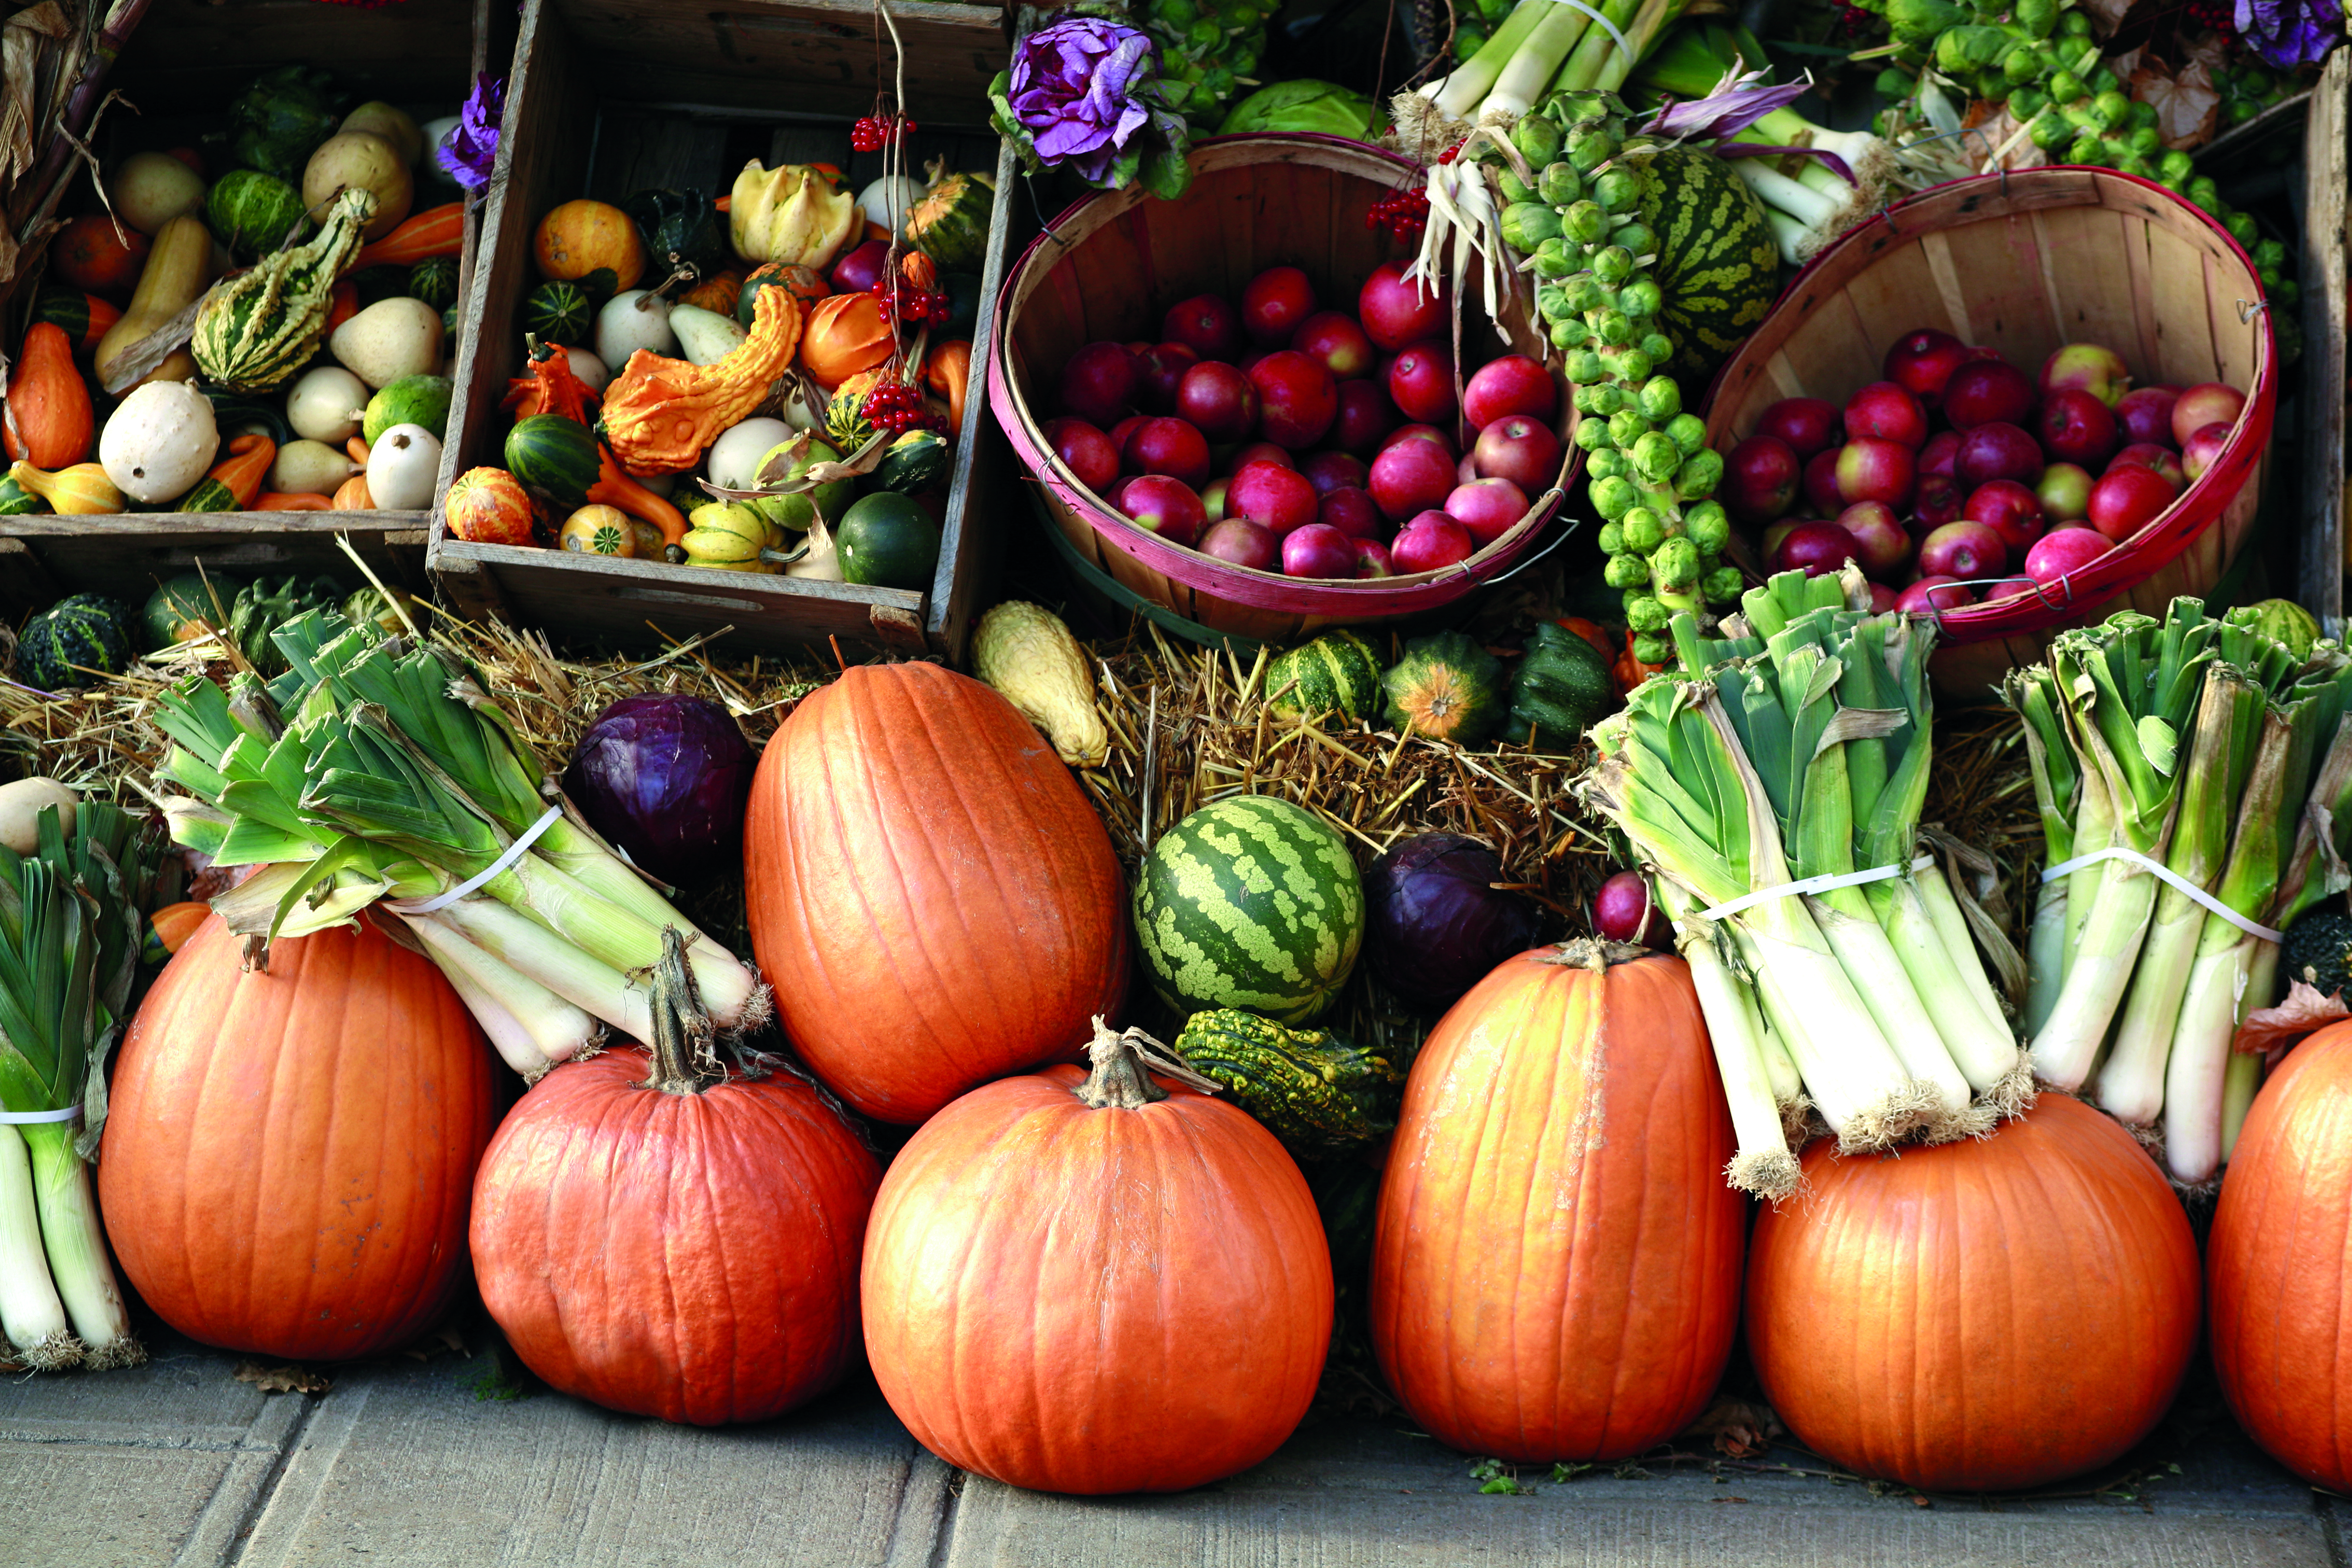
column 488, row 506
column 930, row 889
column 675, row 1248
column 593, row 244
column 1097, row 1282
column 2278, row 1266
column 289, row 1154
column 1982, row 1316
column 1556, row 1270
column 48, row 422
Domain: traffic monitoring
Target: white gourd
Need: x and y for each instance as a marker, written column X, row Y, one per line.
column 632, row 320
column 401, row 468
column 327, row 405
column 735, row 455
column 159, row 441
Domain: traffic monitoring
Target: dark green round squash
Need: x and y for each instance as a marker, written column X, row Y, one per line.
column 915, row 462
column 435, row 281
column 77, row 638
column 886, row 541
column 554, row 458
column 558, row 313
column 182, row 607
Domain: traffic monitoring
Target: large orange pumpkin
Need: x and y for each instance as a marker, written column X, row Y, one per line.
column 2279, row 1264
column 289, row 1154
column 929, row 891
column 1097, row 1282
column 1982, row 1316
column 681, row 1251
column 1557, row 1270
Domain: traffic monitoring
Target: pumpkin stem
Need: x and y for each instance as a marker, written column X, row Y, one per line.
column 1596, row 953
column 1120, row 1080
column 685, row 1057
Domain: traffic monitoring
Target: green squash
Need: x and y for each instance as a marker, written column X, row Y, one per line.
column 554, row 458
column 915, row 462
column 886, row 541
column 266, row 603
column 73, row 641
column 1316, row 1092
column 1337, row 673
column 435, row 281
column 963, row 289
column 412, row 400
column 16, row 500
column 182, row 607
column 277, row 122
column 254, row 331
column 2282, row 621
column 558, row 313
column 950, row 222
column 1447, row 688
column 251, row 213
column 803, row 283
column 1562, row 688
column 682, row 231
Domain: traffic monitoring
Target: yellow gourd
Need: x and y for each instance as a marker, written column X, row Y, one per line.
column 599, row 531
column 81, row 491
column 1026, row 653
column 178, row 271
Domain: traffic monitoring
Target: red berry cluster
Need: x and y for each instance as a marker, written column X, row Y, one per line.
column 1404, row 214
column 1853, row 18
column 2218, row 14
column 870, row 134
column 913, row 306
column 1452, row 153
column 897, row 406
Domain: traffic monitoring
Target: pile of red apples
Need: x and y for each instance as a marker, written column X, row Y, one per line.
column 1282, row 436
column 1960, row 479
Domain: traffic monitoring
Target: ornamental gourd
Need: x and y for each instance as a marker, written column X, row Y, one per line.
column 258, row 329
column 934, row 888
column 1097, row 1282
column 1557, row 1272
column 1313, row 1091
column 661, row 414
column 2037, row 1291
column 48, row 420
column 1027, row 652
column 847, row 334
column 336, row 1104
column 487, row 506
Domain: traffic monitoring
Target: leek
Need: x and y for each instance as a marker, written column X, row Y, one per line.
column 1762, row 1163
column 1458, row 94
column 1530, row 71
column 30, row 1313
column 2032, row 694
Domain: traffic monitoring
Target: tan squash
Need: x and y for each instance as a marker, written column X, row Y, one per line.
column 178, row 271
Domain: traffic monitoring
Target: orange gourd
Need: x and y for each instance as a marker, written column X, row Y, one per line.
column 615, row 489
column 437, row 231
column 1097, row 1282
column 353, row 496
column 49, row 421
column 661, row 415
column 175, row 924
column 240, row 473
column 846, row 335
column 278, row 501
column 934, row 888
column 335, row 1105
column 717, row 292
column 2279, row 1261
column 1557, row 1270
column 947, row 371
column 490, row 506
column 342, row 303
column 582, row 237
column 97, row 253
column 1987, row 1315
column 355, row 447
column 548, row 385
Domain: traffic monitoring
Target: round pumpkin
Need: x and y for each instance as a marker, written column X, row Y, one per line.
column 289, row 1152
column 1097, row 1282
column 581, row 239
column 2279, row 1262
column 845, row 333
column 928, row 889
column 95, row 253
column 1987, row 1315
column 1556, row 1274
column 488, row 506
column 684, row 1252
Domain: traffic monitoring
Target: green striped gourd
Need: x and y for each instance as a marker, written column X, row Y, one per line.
column 949, row 223
column 255, row 330
column 1250, row 902
column 558, row 313
column 1313, row 1091
column 553, row 458
column 1335, row 673
column 75, row 640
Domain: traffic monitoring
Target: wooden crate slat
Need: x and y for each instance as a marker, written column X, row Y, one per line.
column 2327, row 171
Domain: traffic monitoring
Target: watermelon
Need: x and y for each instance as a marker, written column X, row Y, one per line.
column 949, row 223
column 250, row 212
column 2282, row 621
column 74, row 638
column 1717, row 265
column 1447, row 688
column 557, row 313
column 1335, row 673
column 435, row 281
column 553, row 458
column 1250, row 902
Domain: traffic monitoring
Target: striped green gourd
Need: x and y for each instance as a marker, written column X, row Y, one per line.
column 553, row 458
column 72, row 642
column 435, row 281
column 558, row 312
column 1250, row 902
column 949, row 223
column 1337, row 673
column 1311, row 1089
column 255, row 330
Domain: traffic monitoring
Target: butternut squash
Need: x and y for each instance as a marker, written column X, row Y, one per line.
column 178, row 271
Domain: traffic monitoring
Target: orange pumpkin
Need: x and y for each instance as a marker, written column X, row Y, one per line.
column 932, row 887
column 490, row 506
column 335, row 1105
column 1097, row 1282
column 2280, row 1259
column 49, row 421
column 1557, row 1270
column 1987, row 1315
column 846, row 335
column 579, row 238
column 90, row 252
column 175, row 924
column 717, row 292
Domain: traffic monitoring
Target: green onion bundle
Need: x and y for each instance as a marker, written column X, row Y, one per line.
column 378, row 772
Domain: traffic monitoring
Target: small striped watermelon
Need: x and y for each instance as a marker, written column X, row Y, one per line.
column 1250, row 902
column 553, row 458
column 1335, row 673
column 1717, row 265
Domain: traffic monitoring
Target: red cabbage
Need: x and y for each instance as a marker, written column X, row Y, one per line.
column 1434, row 924
column 665, row 778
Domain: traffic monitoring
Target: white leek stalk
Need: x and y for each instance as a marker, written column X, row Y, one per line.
column 1762, row 1165
column 2196, row 1069
column 1884, row 986
column 530, row 1026
column 30, row 1311
column 1531, row 68
column 1457, row 95
column 77, row 1249
column 1940, row 963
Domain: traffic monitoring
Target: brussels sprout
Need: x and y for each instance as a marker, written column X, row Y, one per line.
column 1560, row 185
column 1642, row 531
column 1538, row 140
column 2074, row 25
column 1552, row 258
column 1606, row 465
column 2052, row 133
column 1688, row 431
column 1699, row 475
column 2146, row 141
column 1709, row 525
column 1584, row 222
column 1511, row 188
column 1720, row 586
column 1613, row 264
column 1565, row 333
column 1612, row 542
column 2065, row 87
column 2027, row 101
column 1593, row 434
column 1662, row 398
column 1655, row 456
column 1673, row 567
column 1617, row 190
column 1626, row 572
column 1636, row 236
column 1641, row 298
column 1527, row 225
column 1589, row 147
column 1614, row 497
column 1635, row 364
column 1584, row 365
column 2038, row 18
column 1646, row 614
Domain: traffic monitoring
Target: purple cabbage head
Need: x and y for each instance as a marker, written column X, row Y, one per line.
column 1078, row 87
column 665, row 778
column 1434, row 925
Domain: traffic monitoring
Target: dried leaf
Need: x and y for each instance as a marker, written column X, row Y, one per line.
column 281, row 1379
column 2107, row 14
column 2126, row 65
column 1740, row 1430
column 2304, row 1009
column 442, row 1342
column 2209, row 50
column 2187, row 106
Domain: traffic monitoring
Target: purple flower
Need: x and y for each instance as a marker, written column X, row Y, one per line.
column 470, row 149
column 1078, row 87
column 2290, row 33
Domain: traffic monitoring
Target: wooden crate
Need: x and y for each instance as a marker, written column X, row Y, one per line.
column 612, row 96
column 2327, row 170
column 186, row 60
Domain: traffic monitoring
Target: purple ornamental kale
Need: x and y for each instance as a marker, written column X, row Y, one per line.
column 2291, row 33
column 1078, row 87
column 471, row 150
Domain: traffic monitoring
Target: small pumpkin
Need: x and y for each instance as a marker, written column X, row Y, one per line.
column 96, row 253
column 661, row 415
column 593, row 244
column 846, row 333
column 487, row 506
column 48, row 420
column 947, row 371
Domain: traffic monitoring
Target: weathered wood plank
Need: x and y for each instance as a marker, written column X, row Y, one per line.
column 2326, row 170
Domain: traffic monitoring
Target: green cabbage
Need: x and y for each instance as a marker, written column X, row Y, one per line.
column 1319, row 107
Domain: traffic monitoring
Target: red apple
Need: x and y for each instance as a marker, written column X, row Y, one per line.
column 2064, row 492
column 1922, row 361
column 1420, row 382
column 1167, row 507
column 1297, row 399
column 1329, row 472
column 2065, row 550
column 1989, row 392
column 1206, row 324
column 2010, row 509
column 857, row 271
column 1218, row 399
column 1466, row 469
column 1885, row 410
column 1353, row 513
column 1086, row 451
column 2164, row 460
column 1120, row 432
column 1814, row 548
column 1775, row 533
column 1822, row 495
column 2086, row 367
column 1964, row 550
column 1522, row 450
column 2010, row 588
column 1372, row 559
column 1395, row 312
column 2128, row 498
column 1241, row 543
column 1997, row 451
column 1429, row 433
column 1280, row 498
column 1511, row 384
column 1258, row 452
column 1169, row 446
column 1274, row 303
column 1808, row 425
column 2203, row 449
column 1883, row 599
column 2076, row 427
column 1943, row 448
column 1870, row 469
column 1366, row 417
column 1316, row 551
column 1760, row 478
column 1411, row 476
column 1937, row 501
column 2146, row 412
column 1880, row 544
column 2208, row 404
column 1099, row 383
column 1339, row 341
column 1158, row 369
column 1488, row 507
column 1428, row 542
column 1929, row 595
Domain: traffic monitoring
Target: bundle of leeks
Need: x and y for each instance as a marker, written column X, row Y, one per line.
column 377, row 771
